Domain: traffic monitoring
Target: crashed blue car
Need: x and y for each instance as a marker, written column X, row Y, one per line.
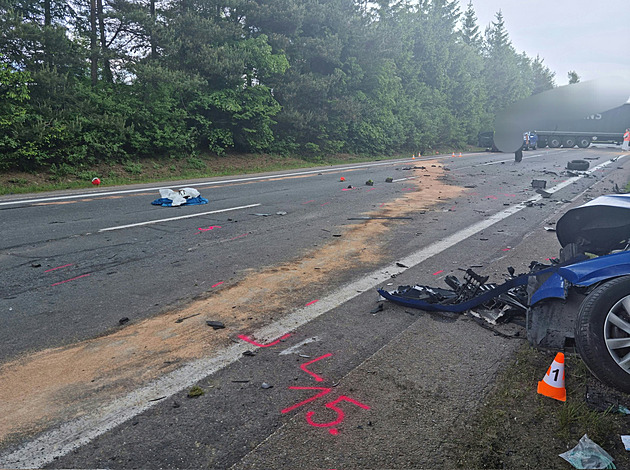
column 581, row 299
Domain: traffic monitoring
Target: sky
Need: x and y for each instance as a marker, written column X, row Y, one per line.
column 592, row 38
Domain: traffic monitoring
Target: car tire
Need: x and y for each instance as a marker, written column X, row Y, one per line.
column 554, row 142
column 583, row 142
column 578, row 165
column 568, row 142
column 602, row 332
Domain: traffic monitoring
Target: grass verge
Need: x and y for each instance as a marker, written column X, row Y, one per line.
column 519, row 429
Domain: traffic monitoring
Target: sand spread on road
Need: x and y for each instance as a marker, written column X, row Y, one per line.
column 56, row 385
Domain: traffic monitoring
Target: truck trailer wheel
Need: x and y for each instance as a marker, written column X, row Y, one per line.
column 578, row 165
column 568, row 142
column 583, row 142
column 602, row 332
column 554, row 142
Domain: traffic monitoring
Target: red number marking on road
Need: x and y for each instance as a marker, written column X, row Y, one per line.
column 315, row 376
column 340, row 413
column 58, row 267
column 260, row 345
column 68, row 280
column 323, row 392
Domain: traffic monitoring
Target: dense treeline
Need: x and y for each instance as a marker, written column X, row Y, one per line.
column 84, row 81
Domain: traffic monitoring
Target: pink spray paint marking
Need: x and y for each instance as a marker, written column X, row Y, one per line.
column 68, row 280
column 217, row 284
column 491, row 197
column 438, row 272
column 260, row 345
column 212, row 227
column 311, row 302
column 407, row 189
column 326, row 203
column 240, row 236
column 347, row 189
column 505, row 249
column 371, row 189
column 323, row 392
column 510, row 195
column 308, row 202
column 333, row 431
column 58, row 267
column 313, row 374
column 340, row 413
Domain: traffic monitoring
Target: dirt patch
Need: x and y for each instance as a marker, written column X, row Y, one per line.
column 61, row 384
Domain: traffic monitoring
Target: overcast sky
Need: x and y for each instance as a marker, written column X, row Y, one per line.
column 592, row 38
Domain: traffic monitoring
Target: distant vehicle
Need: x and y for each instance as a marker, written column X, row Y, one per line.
column 486, row 140
column 608, row 126
column 530, row 141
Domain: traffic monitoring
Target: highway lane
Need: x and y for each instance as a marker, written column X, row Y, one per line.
column 497, row 186
column 67, row 278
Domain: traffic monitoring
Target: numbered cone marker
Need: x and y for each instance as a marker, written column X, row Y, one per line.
column 552, row 384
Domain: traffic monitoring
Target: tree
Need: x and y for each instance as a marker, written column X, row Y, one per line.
column 544, row 79
column 573, row 77
column 470, row 30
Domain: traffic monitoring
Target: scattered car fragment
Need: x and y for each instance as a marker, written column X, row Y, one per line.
column 583, row 297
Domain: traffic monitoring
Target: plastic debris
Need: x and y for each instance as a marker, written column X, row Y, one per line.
column 216, row 325
column 123, row 320
column 369, row 183
column 626, row 442
column 389, row 180
column 377, row 309
column 249, row 353
column 265, row 385
column 281, row 213
column 588, row 455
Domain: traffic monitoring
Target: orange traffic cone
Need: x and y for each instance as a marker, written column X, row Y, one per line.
column 453, row 155
column 460, row 154
column 413, row 157
column 552, row 384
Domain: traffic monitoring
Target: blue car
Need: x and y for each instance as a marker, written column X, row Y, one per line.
column 581, row 299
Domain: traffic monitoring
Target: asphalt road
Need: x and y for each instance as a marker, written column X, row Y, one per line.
column 391, row 384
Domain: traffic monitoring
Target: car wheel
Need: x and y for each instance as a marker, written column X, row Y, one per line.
column 568, row 142
column 583, row 142
column 602, row 332
column 554, row 142
column 578, row 165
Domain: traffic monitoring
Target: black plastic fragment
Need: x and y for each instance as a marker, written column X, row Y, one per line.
column 216, row 325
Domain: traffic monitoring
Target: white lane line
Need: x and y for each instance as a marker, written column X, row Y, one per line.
column 157, row 221
column 71, row 435
column 213, row 183
column 296, row 347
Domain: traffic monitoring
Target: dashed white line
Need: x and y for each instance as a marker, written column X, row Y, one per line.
column 157, row 221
